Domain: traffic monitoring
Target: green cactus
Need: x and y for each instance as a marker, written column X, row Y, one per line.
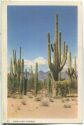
column 58, row 64
column 36, row 79
column 70, row 69
column 16, row 75
column 72, row 73
column 25, row 82
column 11, row 67
column 49, row 86
column 22, row 77
column 13, row 72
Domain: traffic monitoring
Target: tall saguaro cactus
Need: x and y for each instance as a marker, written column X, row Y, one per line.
column 58, row 63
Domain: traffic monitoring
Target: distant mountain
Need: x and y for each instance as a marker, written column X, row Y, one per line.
column 42, row 75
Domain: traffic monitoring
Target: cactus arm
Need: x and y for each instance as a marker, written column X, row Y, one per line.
column 71, row 70
column 59, row 47
column 54, row 53
column 69, row 61
column 59, row 50
column 64, row 57
column 55, row 57
column 62, row 65
column 64, row 47
column 49, row 50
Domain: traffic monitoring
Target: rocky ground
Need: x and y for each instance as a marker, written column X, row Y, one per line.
column 41, row 106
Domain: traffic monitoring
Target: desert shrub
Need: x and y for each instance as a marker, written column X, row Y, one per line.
column 45, row 103
column 74, row 84
column 62, row 88
column 67, row 106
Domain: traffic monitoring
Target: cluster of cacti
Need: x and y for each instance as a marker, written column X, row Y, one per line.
column 59, row 59
column 16, row 75
column 20, row 80
column 30, row 81
column 58, row 63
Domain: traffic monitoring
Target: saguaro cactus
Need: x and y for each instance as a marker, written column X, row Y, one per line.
column 57, row 64
column 17, row 73
column 25, row 82
column 14, row 62
column 70, row 69
column 22, row 76
column 36, row 79
column 11, row 67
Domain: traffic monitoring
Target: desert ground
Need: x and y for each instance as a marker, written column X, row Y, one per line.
column 30, row 106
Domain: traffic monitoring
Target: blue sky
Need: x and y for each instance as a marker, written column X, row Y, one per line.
column 28, row 27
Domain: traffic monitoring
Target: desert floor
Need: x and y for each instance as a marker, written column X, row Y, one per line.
column 42, row 107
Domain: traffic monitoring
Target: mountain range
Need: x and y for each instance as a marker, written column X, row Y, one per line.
column 43, row 75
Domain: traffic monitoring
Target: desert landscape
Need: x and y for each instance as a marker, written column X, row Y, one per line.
column 44, row 87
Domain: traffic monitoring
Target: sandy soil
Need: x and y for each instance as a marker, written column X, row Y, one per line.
column 28, row 107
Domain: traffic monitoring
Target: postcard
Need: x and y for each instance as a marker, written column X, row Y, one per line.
column 41, row 62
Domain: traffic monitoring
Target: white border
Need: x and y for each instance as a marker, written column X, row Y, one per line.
column 4, row 60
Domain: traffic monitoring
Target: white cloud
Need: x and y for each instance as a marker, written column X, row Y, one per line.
column 40, row 60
